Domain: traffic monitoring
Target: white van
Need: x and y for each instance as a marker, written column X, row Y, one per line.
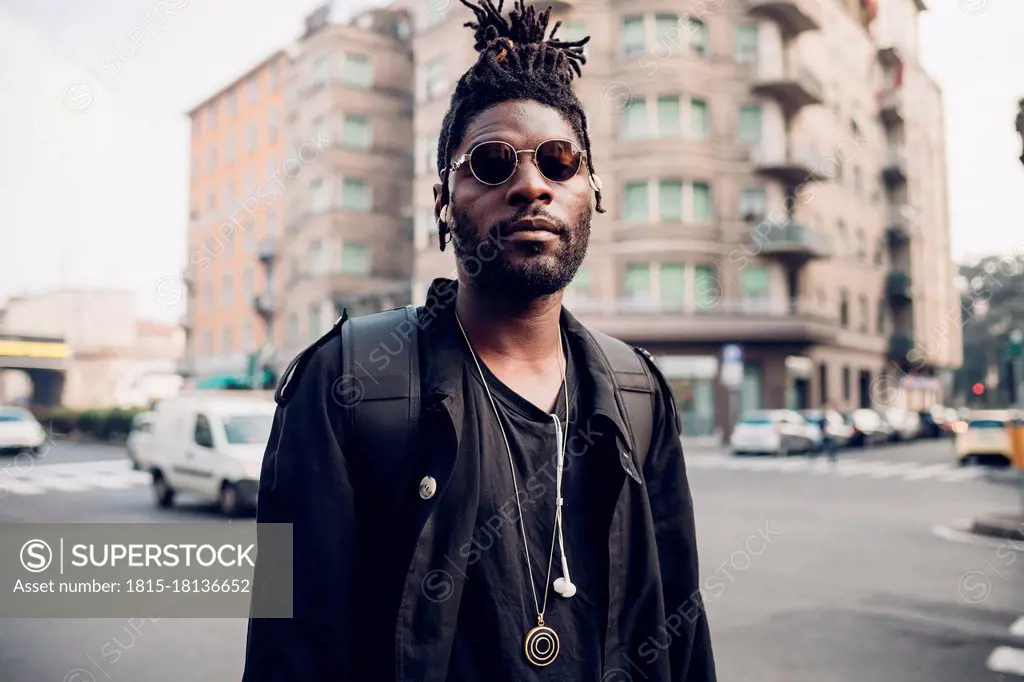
column 210, row 445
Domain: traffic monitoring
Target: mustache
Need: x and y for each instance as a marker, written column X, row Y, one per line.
column 503, row 227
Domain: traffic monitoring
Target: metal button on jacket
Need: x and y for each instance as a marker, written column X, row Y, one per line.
column 428, row 486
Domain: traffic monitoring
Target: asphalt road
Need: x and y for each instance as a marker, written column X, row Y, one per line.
column 812, row 572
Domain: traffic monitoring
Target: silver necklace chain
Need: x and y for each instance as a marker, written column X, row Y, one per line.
column 522, row 526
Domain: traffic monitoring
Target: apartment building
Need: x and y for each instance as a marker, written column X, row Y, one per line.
column 348, row 231
column 241, row 165
column 775, row 177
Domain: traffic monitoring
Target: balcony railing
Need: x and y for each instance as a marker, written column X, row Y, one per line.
column 693, row 306
column 793, row 16
column 890, row 107
column 794, row 86
column 790, row 164
column 899, row 224
column 895, row 169
column 793, row 241
column 898, row 286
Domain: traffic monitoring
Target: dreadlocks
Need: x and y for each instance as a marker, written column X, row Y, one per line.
column 516, row 61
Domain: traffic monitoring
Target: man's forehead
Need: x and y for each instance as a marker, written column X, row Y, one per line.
column 522, row 123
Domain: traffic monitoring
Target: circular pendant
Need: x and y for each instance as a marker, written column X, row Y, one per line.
column 541, row 646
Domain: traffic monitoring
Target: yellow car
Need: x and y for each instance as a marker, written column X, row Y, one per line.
column 984, row 437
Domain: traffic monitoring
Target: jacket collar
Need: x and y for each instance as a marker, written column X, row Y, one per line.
column 444, row 360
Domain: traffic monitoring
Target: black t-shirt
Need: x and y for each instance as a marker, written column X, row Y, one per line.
column 497, row 608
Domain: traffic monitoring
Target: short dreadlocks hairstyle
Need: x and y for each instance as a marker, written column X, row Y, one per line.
column 518, row 59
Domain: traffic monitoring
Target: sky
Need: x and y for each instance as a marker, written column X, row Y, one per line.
column 94, row 152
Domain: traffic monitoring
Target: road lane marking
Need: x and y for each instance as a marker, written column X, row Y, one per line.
column 1017, row 629
column 1006, row 660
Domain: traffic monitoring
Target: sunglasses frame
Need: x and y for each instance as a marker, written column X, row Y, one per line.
column 467, row 158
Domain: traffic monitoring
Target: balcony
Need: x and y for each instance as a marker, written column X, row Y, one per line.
column 265, row 305
column 793, row 16
column 898, row 287
column 899, row 225
column 890, row 108
column 792, row 243
column 894, row 172
column 791, row 166
column 267, row 250
column 793, row 87
column 772, row 320
column 900, row 346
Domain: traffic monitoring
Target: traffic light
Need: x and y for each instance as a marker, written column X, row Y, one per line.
column 978, row 389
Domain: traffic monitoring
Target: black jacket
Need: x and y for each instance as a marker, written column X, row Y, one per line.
column 377, row 568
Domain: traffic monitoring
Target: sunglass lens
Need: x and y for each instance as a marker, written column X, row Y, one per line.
column 493, row 162
column 558, row 160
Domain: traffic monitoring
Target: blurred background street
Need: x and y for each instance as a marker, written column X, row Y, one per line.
column 812, row 227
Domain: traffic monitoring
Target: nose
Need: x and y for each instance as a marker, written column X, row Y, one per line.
column 528, row 185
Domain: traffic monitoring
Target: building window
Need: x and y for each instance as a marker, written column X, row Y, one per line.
column 272, row 126
column 634, row 120
column 271, row 223
column 250, row 137
column 670, row 201
column 865, row 316
column 321, row 71
column 227, row 292
column 754, row 285
column 293, row 329
column 862, row 247
column 631, row 34
column 700, row 122
column 232, row 102
column 319, row 196
column 844, row 239
column 274, row 74
column 314, row 321
column 247, row 285
column 880, row 318
column 638, row 282
column 356, row 195
column 573, row 31
column 701, row 202
column 247, row 342
column 823, row 383
column 252, row 88
column 745, row 44
column 211, row 201
column 635, row 208
column 250, row 241
column 211, row 159
column 698, row 36
column 858, row 180
column 208, row 344
column 226, row 342
column 211, row 115
column 319, row 127
column 208, row 299
column 431, row 154
column 705, row 287
column 357, row 72
column 581, row 282
column 844, row 309
column 356, row 132
column 750, row 124
column 317, row 264
column 436, row 78
column 846, row 384
column 669, row 117
column 672, row 285
column 229, row 149
column 666, row 27
column 355, row 258
column 752, row 203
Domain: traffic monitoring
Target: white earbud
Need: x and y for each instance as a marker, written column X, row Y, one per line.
column 564, row 585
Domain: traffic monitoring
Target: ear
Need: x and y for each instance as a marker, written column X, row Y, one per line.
column 437, row 200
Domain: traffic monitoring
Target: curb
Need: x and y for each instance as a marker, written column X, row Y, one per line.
column 1004, row 526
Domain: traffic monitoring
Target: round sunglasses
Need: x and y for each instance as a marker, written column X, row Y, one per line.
column 495, row 162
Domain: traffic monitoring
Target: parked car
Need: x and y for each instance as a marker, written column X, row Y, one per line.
column 778, row 432
column 20, row 432
column 835, row 425
column 906, row 424
column 984, row 438
column 868, row 428
column 139, row 438
column 210, row 447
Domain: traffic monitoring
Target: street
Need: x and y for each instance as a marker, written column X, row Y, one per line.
column 811, row 571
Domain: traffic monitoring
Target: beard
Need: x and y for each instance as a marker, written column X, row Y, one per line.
column 513, row 270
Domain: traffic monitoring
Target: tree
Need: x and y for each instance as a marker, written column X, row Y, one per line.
column 992, row 305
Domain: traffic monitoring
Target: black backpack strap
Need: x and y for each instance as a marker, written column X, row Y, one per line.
column 635, row 388
column 379, row 389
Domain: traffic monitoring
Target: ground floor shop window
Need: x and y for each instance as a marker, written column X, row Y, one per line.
column 695, row 400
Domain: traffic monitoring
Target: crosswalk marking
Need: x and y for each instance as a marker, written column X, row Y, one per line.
column 74, row 477
column 848, row 468
column 1017, row 629
column 1006, row 660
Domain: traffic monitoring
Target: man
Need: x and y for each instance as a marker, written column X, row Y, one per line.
column 440, row 564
